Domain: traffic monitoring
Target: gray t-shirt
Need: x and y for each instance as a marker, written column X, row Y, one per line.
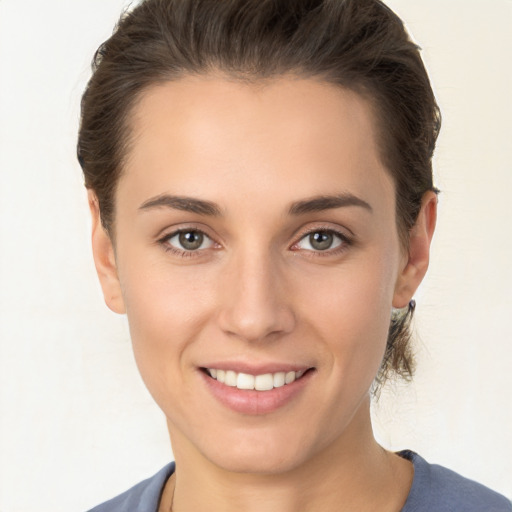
column 434, row 489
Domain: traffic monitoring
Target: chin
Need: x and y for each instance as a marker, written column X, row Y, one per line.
column 258, row 461
column 267, row 451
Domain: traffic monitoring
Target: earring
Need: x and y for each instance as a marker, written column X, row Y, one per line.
column 399, row 313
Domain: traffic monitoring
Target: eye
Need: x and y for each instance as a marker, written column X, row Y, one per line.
column 321, row 240
column 188, row 240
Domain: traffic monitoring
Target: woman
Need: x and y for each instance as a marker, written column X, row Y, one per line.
column 260, row 184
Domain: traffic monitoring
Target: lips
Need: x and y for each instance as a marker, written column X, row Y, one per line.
column 256, row 391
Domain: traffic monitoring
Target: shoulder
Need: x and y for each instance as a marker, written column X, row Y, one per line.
column 143, row 497
column 439, row 489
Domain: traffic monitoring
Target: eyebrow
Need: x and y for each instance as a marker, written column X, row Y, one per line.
column 187, row 204
column 208, row 208
column 327, row 202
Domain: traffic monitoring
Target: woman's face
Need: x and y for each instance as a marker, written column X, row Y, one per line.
column 256, row 235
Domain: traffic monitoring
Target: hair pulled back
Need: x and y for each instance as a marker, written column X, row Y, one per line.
column 357, row 44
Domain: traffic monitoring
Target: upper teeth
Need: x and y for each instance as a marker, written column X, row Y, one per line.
column 263, row 382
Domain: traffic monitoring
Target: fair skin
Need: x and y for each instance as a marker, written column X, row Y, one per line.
column 276, row 279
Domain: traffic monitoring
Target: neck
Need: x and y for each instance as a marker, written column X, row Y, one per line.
column 353, row 473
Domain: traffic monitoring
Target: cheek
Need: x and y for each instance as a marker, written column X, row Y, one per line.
column 160, row 297
column 352, row 314
column 166, row 309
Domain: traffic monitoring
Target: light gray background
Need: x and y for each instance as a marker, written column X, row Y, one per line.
column 76, row 424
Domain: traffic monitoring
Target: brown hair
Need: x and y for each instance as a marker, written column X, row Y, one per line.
column 357, row 44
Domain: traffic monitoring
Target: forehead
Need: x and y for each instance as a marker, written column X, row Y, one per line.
column 199, row 134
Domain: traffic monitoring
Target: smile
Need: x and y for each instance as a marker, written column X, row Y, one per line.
column 245, row 381
column 256, row 391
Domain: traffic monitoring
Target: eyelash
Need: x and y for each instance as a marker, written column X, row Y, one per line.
column 182, row 252
column 345, row 242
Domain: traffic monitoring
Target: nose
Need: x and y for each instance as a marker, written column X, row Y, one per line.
column 255, row 304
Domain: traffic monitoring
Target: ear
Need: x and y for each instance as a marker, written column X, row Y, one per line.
column 417, row 257
column 104, row 259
